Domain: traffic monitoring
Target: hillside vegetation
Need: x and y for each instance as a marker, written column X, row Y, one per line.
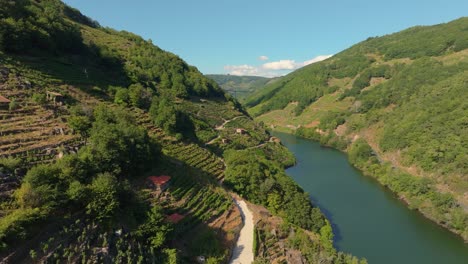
column 397, row 104
column 93, row 112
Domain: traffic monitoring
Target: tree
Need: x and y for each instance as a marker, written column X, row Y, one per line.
column 42, row 187
column 39, row 98
column 80, row 124
column 154, row 229
column 164, row 115
column 104, row 197
column 121, row 97
column 326, row 237
column 13, row 105
column 136, row 95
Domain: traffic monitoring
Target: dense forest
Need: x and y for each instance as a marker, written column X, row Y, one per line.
column 92, row 113
column 397, row 105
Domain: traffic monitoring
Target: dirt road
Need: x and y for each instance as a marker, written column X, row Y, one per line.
column 243, row 252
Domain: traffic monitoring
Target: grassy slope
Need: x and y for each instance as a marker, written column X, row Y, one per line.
column 412, row 118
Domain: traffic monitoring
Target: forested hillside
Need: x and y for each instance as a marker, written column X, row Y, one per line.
column 397, row 104
column 88, row 113
column 240, row 86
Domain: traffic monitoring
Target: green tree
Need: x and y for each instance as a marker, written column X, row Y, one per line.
column 137, row 95
column 326, row 237
column 122, row 97
column 164, row 115
column 154, row 229
column 80, row 124
column 39, row 98
column 13, row 105
column 104, row 197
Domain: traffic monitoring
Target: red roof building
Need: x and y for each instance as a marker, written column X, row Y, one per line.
column 159, row 182
column 4, row 102
column 175, row 218
column 4, row 99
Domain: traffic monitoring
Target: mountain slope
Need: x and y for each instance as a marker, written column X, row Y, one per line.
column 397, row 101
column 93, row 112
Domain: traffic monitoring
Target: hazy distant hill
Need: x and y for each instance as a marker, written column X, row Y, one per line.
column 397, row 101
column 240, row 86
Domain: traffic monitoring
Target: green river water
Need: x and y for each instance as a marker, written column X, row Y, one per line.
column 368, row 220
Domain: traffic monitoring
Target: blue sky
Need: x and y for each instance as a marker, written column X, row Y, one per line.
column 261, row 37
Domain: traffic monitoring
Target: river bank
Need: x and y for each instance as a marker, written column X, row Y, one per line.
column 368, row 220
column 385, row 174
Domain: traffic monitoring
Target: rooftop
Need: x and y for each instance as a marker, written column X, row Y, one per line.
column 175, row 218
column 4, row 99
column 159, row 180
column 54, row 93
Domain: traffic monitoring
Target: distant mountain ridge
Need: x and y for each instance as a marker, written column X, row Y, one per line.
column 240, row 86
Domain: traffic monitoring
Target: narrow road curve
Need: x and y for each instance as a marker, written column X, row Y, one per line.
column 221, row 127
column 243, row 252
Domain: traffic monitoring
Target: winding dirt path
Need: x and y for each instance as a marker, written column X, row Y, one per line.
column 243, row 252
column 221, row 127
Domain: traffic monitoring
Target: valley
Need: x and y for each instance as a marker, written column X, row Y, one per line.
column 395, row 108
column 114, row 150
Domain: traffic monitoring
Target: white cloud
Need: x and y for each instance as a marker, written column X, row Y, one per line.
column 263, row 58
column 316, row 59
column 271, row 69
column 280, row 65
column 241, row 69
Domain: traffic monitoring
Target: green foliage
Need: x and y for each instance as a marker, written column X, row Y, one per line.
column 84, row 182
column 30, row 25
column 320, row 252
column 207, row 244
column 117, row 144
column 42, row 187
column 173, row 121
column 331, row 120
column 9, row 164
column 263, row 181
column 164, row 115
column 139, row 96
column 78, row 192
column 326, row 237
column 17, row 225
column 309, row 83
column 121, row 97
column 80, row 124
column 360, row 152
column 13, row 105
column 105, row 192
column 39, row 98
column 429, row 121
column 154, row 229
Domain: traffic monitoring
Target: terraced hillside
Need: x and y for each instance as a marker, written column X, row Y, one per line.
column 95, row 112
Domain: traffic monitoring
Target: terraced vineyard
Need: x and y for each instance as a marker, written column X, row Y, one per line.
column 197, row 157
column 191, row 154
column 31, row 131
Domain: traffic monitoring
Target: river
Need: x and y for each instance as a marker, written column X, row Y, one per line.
column 368, row 220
